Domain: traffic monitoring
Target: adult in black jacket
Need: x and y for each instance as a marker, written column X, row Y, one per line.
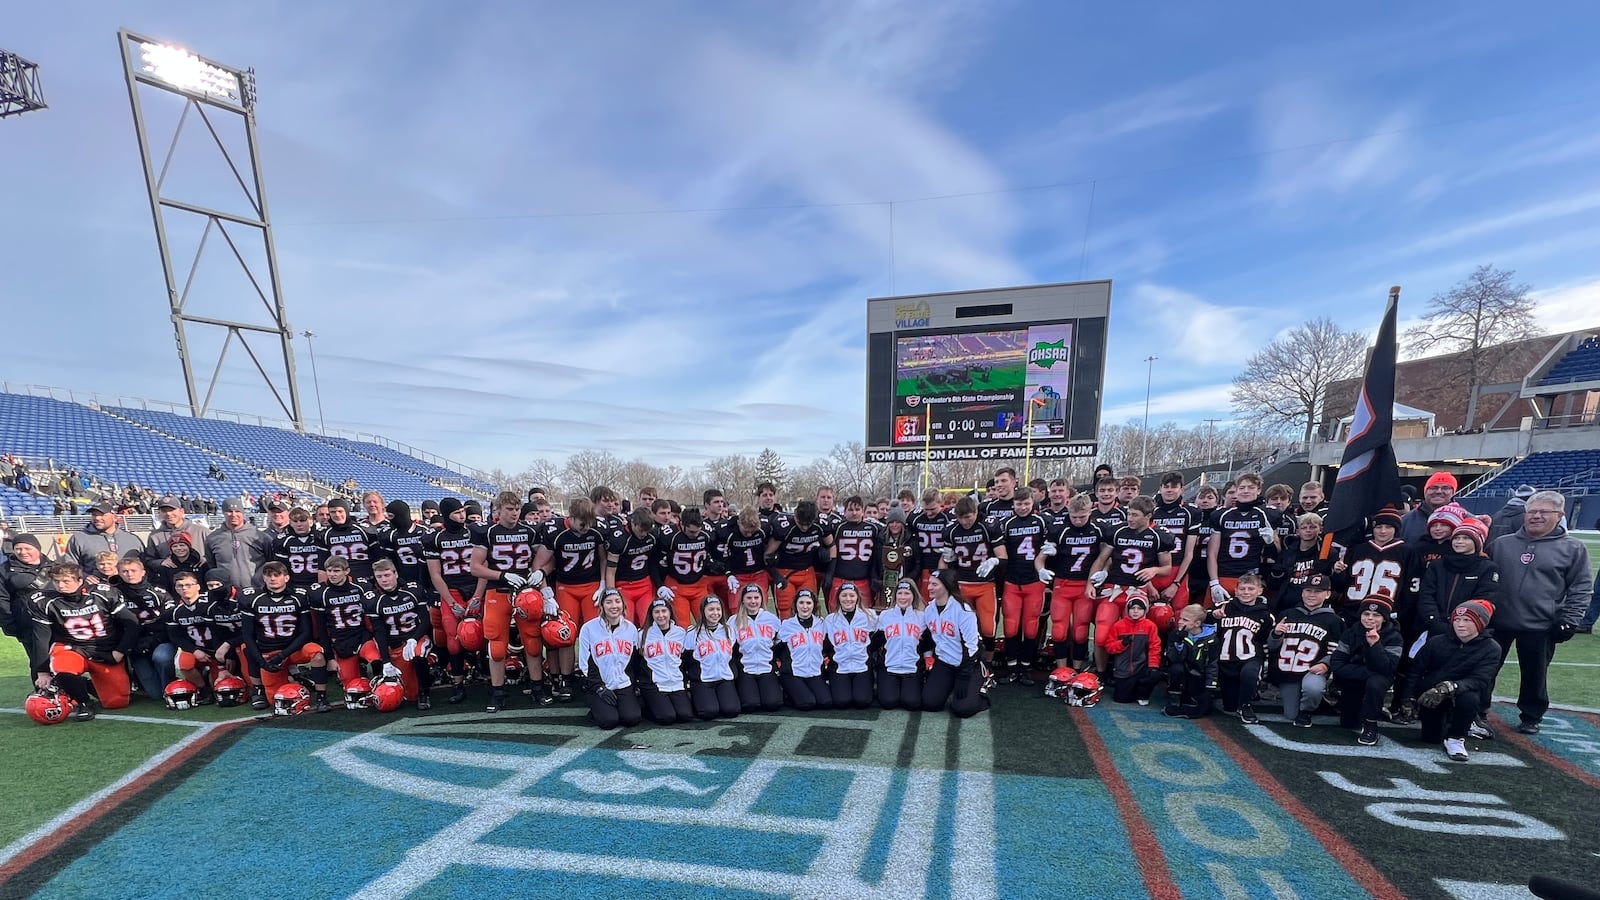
column 1452, row 675
column 1364, row 666
column 20, row 577
column 1462, row 574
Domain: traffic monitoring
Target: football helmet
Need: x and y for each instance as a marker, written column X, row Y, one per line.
column 1160, row 612
column 1056, row 685
column 387, row 696
column 49, row 706
column 230, row 690
column 529, row 604
column 470, row 633
column 559, row 630
column 182, row 694
column 1084, row 690
column 515, row 670
column 291, row 700
column 358, row 694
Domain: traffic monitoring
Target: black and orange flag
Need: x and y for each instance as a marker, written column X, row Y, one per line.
column 1369, row 475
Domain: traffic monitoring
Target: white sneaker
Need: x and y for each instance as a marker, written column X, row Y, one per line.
column 1456, row 749
column 1145, row 701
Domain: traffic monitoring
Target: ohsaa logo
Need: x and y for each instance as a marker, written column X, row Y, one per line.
column 912, row 315
column 1044, row 355
column 913, row 400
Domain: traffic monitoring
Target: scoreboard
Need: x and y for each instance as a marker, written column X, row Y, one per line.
column 986, row 374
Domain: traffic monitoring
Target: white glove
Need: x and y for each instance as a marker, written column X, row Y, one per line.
column 664, row 593
column 733, row 584
column 598, row 593
column 536, row 578
column 1219, row 594
column 514, row 581
column 550, row 607
column 987, row 566
column 390, row 670
column 1098, row 578
column 1268, row 533
column 948, row 554
column 1046, row 576
column 1048, row 550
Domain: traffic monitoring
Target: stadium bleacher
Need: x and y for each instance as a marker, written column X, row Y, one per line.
column 1568, row 470
column 407, row 463
column 1581, row 363
column 15, row 503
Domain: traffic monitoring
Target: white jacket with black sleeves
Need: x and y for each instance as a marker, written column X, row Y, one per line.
column 605, row 652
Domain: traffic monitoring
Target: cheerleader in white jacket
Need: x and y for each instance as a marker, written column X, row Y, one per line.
column 659, row 667
column 902, row 626
column 800, row 644
column 951, row 632
column 605, row 654
column 709, row 663
column 756, row 631
column 851, row 631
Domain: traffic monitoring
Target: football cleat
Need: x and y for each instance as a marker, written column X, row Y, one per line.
column 230, row 690
column 291, row 700
column 559, row 630
column 358, row 694
column 181, row 694
column 49, row 706
column 1055, row 686
column 1084, row 690
column 470, row 634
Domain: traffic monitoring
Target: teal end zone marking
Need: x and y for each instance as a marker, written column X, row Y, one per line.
column 606, row 776
column 1566, row 735
column 939, row 875
column 1093, row 859
column 801, row 793
column 463, row 881
column 461, row 771
column 883, row 834
column 1221, row 832
column 641, row 843
column 269, row 816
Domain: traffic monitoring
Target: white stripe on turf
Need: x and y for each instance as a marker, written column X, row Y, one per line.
column 117, row 717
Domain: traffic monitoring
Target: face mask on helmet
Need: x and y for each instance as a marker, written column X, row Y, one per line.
column 357, row 694
column 182, row 694
column 1084, row 690
column 230, row 691
column 291, row 700
column 49, row 706
column 1056, row 684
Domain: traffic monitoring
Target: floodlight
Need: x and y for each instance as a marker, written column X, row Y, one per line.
column 184, row 71
column 20, row 91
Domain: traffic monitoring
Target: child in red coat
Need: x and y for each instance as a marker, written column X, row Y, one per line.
column 1134, row 643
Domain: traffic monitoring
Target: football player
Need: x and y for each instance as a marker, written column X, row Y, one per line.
column 1205, row 503
column 828, row 516
column 767, row 503
column 714, row 509
column 152, row 655
column 276, row 626
column 792, row 555
column 1022, row 535
column 377, row 522
column 855, row 553
column 400, row 629
column 969, row 552
column 1131, row 556
column 1181, row 521
column 1302, row 643
column 1244, row 623
column 301, row 550
column 633, row 565
column 1064, row 563
column 686, row 557
column 1311, row 500
column 743, row 549
column 579, row 552
column 998, row 499
column 1107, row 513
column 340, row 605
column 1059, row 494
column 204, row 651
column 508, row 556
column 1244, row 539
column 349, row 540
column 83, row 635
column 1377, row 566
column 448, row 554
column 927, row 529
column 1127, row 489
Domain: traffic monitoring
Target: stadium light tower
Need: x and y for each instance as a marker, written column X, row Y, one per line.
column 210, row 89
column 20, row 90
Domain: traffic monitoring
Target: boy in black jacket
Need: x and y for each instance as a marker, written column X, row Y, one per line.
column 1453, row 674
column 1364, row 665
column 1192, row 665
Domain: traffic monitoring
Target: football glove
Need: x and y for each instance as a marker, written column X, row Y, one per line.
column 1438, row 694
column 1098, row 578
column 1219, row 594
column 1564, row 632
column 733, row 584
column 513, row 581
column 948, row 554
column 664, row 593
column 536, row 578
column 390, row 670
column 1048, row 550
column 1046, row 576
column 550, row 607
column 598, row 593
column 987, row 567
column 1268, row 533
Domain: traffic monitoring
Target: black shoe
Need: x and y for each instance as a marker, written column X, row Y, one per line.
column 83, row 712
column 1528, row 728
column 560, row 688
column 1024, row 679
column 542, row 694
column 1479, row 730
column 423, row 702
column 206, row 698
column 1247, row 715
column 458, row 694
column 322, row 702
column 1369, row 734
column 1303, row 720
column 497, row 700
column 1586, row 629
column 258, row 699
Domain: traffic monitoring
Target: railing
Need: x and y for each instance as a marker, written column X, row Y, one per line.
column 1576, row 420
column 1488, row 476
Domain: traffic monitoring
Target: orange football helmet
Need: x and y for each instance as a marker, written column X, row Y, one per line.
column 358, row 694
column 230, row 690
column 387, row 696
column 291, row 700
column 1056, row 685
column 182, row 694
column 49, row 706
column 559, row 630
column 470, row 633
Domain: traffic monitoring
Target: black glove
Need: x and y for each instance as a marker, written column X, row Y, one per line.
column 273, row 662
column 779, row 583
column 963, row 680
column 1437, row 695
column 608, row 695
column 1563, row 632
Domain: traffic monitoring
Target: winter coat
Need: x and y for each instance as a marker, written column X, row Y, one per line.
column 1470, row 665
column 1543, row 581
column 1192, row 663
column 1135, row 644
column 1451, row 581
column 1356, row 660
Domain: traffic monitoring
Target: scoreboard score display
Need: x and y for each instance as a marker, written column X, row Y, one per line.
column 990, row 374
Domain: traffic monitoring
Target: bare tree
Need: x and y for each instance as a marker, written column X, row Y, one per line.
column 1286, row 382
column 734, row 475
column 541, row 473
column 1480, row 316
column 590, row 469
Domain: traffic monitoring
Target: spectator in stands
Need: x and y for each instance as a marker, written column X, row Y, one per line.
column 1545, row 584
column 214, row 471
column 100, row 535
column 1439, row 490
column 1509, row 518
column 238, row 547
column 173, row 522
column 24, row 480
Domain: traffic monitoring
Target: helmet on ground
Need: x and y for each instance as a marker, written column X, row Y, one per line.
column 515, row 670
column 1084, row 690
column 470, row 633
column 1056, row 684
column 291, row 700
column 529, row 604
column 1162, row 615
column 358, row 694
column 49, row 706
column 182, row 694
column 230, row 690
column 559, row 630
column 387, row 696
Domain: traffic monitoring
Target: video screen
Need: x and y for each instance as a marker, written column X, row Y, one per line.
column 983, row 386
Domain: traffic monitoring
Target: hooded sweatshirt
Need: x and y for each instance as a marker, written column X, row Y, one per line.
column 1543, row 581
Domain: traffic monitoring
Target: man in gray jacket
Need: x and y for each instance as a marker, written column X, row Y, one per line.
column 1545, row 582
column 173, row 520
column 238, row 547
column 101, row 534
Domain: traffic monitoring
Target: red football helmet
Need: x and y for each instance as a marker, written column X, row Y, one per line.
column 470, row 633
column 529, row 604
column 182, row 694
column 1161, row 614
column 358, row 694
column 1056, row 685
column 1084, row 690
column 559, row 630
column 514, row 669
column 291, row 700
column 49, row 706
column 230, row 690
column 388, row 696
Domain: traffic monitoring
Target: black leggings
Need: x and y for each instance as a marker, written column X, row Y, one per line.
column 625, row 711
column 1361, row 699
column 807, row 693
column 851, row 690
column 1135, row 687
column 761, row 692
column 900, row 691
column 667, row 707
column 714, row 699
column 1238, row 683
column 941, row 688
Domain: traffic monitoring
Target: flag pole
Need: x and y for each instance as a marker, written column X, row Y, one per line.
column 927, row 446
column 1368, row 471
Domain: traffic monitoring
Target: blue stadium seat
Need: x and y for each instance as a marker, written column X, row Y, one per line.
column 15, row 503
column 1545, row 471
column 1582, row 363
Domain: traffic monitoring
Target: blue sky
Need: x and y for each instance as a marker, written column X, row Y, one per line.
column 470, row 198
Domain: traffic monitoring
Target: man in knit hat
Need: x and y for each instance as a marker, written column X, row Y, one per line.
column 1451, row 675
column 1439, row 490
column 1545, row 585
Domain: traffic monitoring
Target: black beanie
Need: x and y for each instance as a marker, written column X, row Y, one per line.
column 400, row 512
column 448, row 505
